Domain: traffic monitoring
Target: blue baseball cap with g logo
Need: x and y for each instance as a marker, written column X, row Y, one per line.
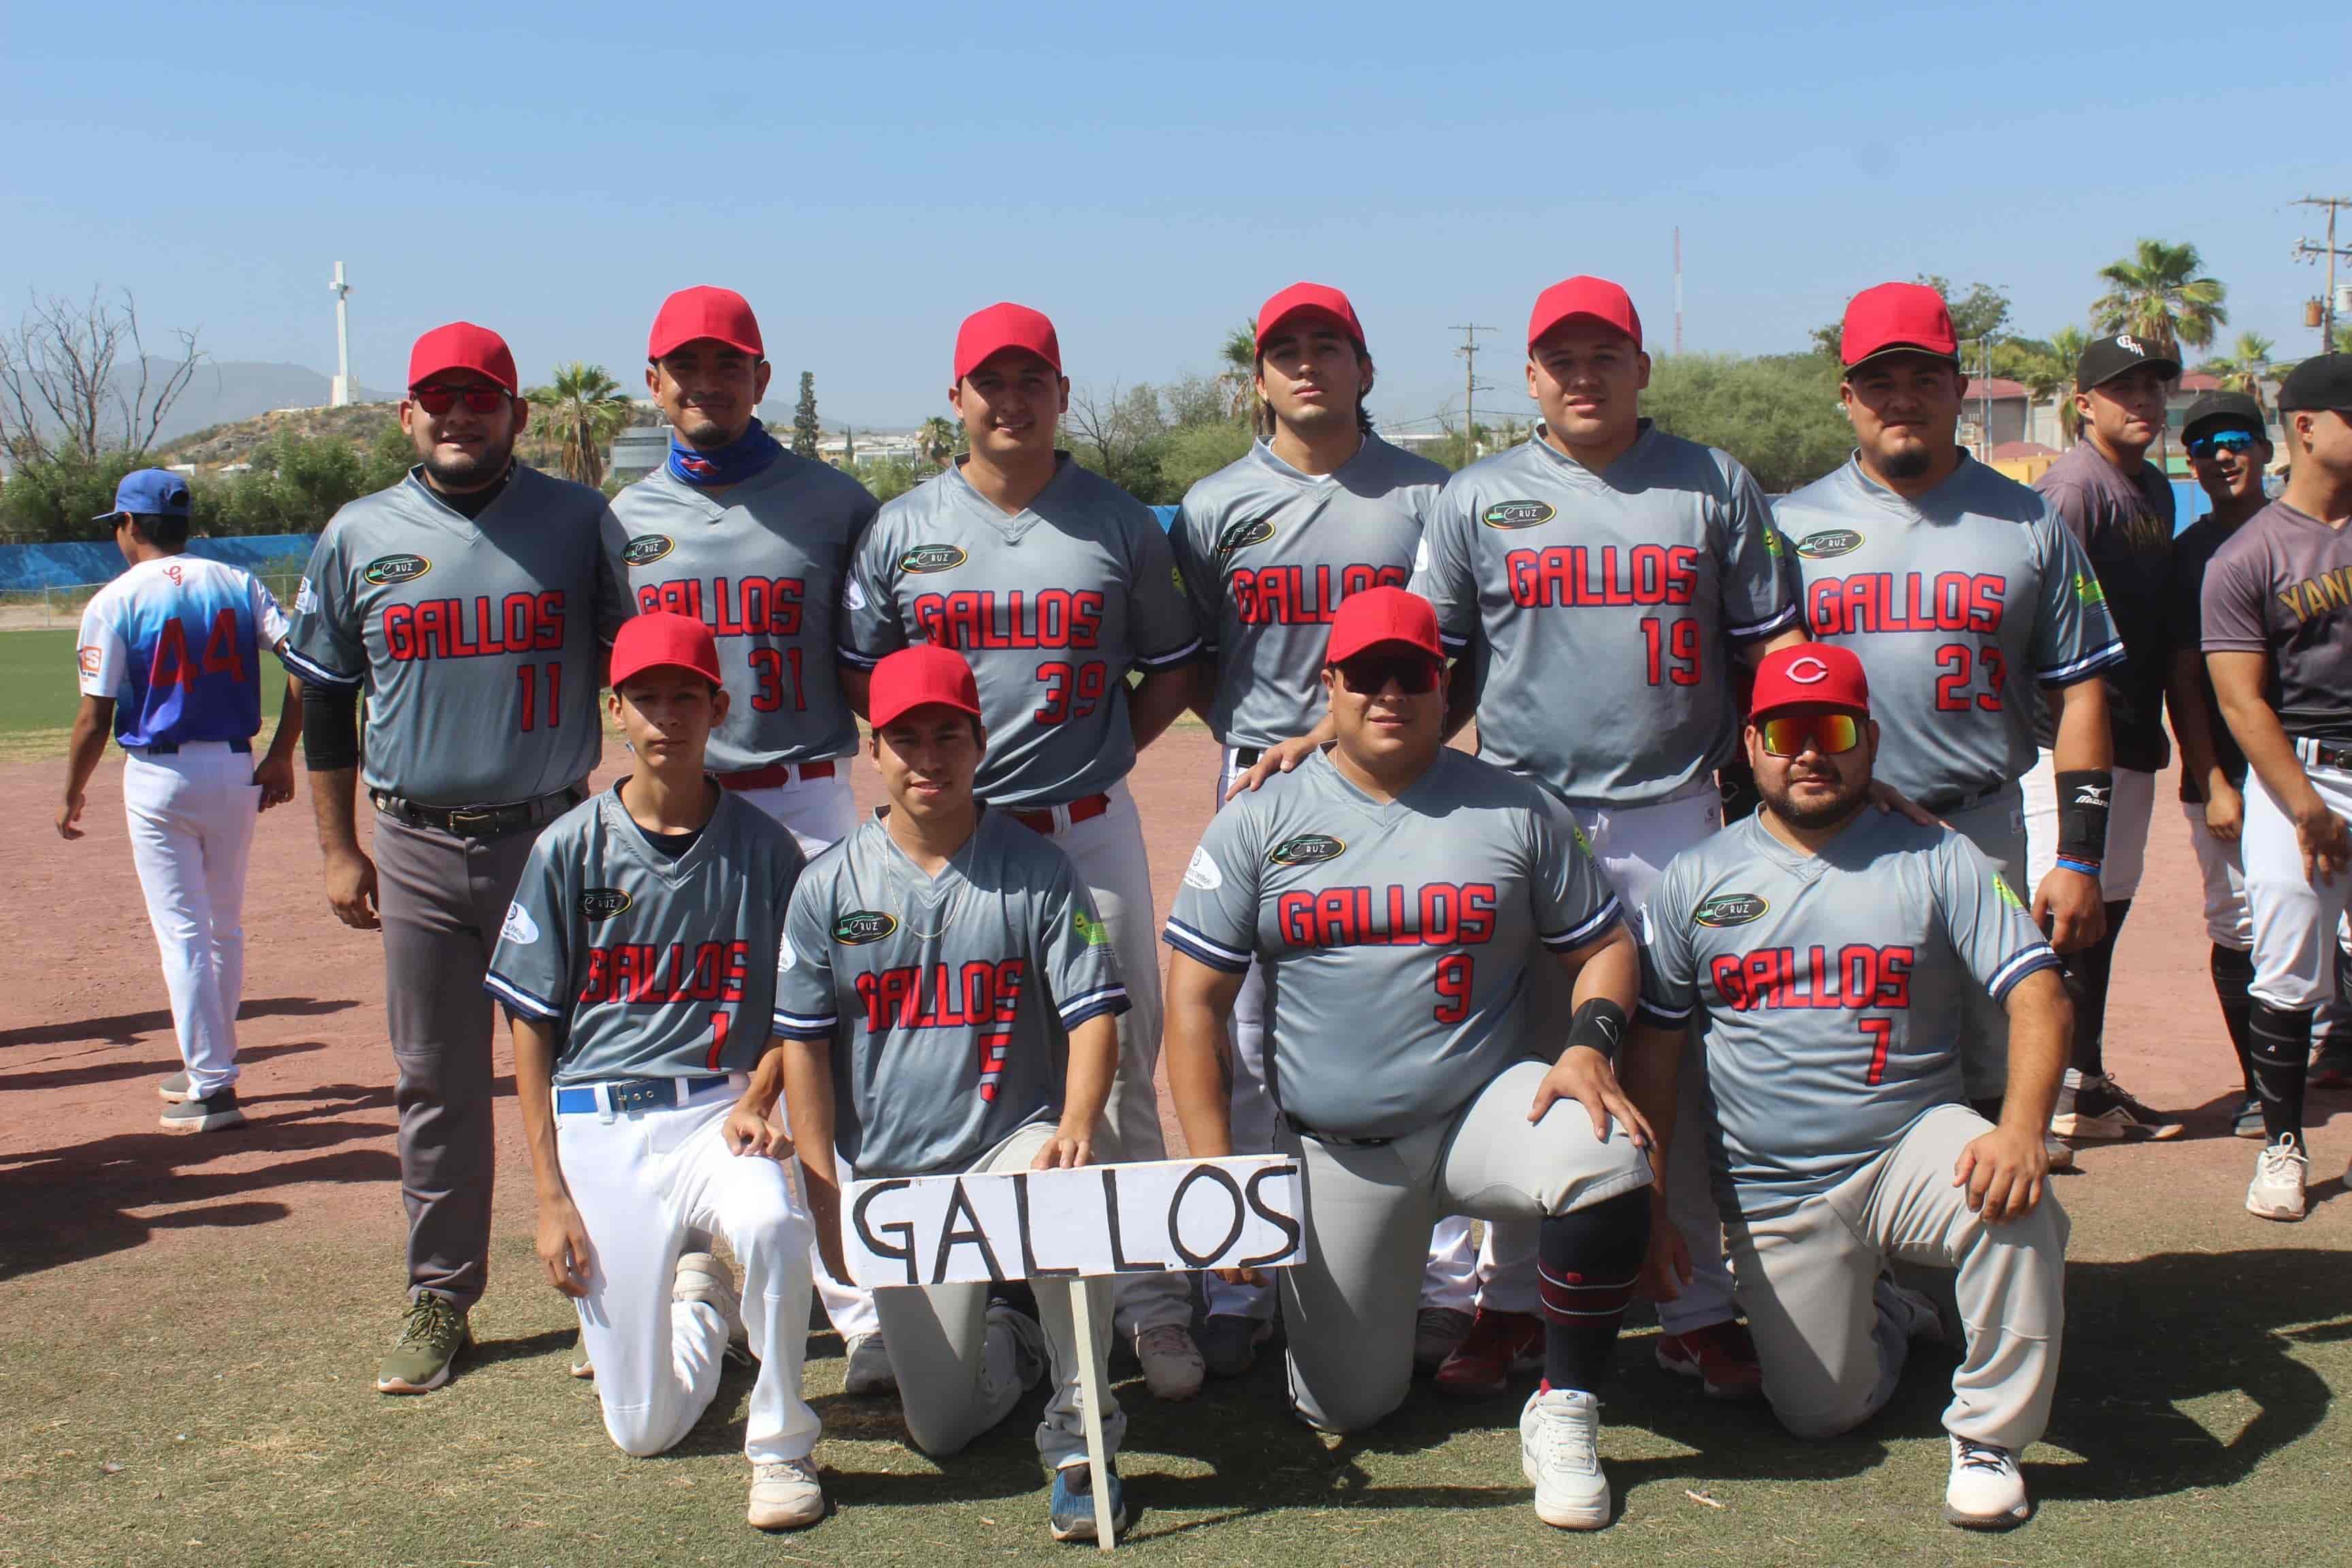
column 151, row 493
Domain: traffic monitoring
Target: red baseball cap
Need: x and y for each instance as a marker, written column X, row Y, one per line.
column 719, row 314
column 1897, row 318
column 1581, row 296
column 1811, row 674
column 1377, row 615
column 919, row 677
column 461, row 345
column 1307, row 296
column 663, row 637
column 1001, row 327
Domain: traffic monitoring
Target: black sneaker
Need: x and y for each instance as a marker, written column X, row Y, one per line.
column 2099, row 1111
column 1229, row 1343
column 2247, row 1123
column 173, row 1089
column 209, row 1114
column 2331, row 1066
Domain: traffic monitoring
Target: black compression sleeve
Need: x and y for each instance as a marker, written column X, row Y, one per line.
column 1599, row 1024
column 330, row 727
column 2083, row 798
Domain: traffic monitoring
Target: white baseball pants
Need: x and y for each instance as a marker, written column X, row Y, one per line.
column 191, row 815
column 2295, row 919
column 2129, row 810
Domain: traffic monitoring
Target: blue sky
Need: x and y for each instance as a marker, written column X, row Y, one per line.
column 1145, row 174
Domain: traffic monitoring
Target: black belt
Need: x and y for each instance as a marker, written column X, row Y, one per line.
column 170, row 747
column 478, row 821
column 1248, row 756
column 1944, row 802
column 1305, row 1132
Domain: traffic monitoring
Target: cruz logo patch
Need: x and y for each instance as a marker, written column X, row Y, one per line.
column 1241, row 535
column 646, row 548
column 861, row 926
column 1730, row 910
column 932, row 558
column 1305, row 849
column 1829, row 543
column 1517, row 514
column 602, row 903
column 386, row 569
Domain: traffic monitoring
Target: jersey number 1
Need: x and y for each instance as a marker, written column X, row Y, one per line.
column 769, row 665
column 528, row 677
column 1673, row 647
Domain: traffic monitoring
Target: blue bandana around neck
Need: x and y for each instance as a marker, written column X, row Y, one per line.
column 744, row 458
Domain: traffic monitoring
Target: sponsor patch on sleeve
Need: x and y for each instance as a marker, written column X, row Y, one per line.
column 853, row 596
column 306, row 598
column 90, row 658
column 785, row 956
column 519, row 928
column 1203, row 872
column 1421, row 555
column 1089, row 932
column 2008, row 895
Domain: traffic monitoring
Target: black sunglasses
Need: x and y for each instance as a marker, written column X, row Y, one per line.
column 1369, row 674
column 438, row 399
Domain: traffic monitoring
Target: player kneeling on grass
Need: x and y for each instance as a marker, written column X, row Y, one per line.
column 1823, row 950
column 1395, row 892
column 949, row 1000
column 635, row 964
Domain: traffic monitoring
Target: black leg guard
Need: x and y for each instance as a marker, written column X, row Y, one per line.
column 2278, row 1044
column 1590, row 1261
column 2233, row 970
column 2086, row 972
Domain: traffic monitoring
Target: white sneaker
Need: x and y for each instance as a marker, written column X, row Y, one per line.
column 1986, row 1491
column 1173, row 1367
column 785, row 1495
column 1560, row 1451
column 2280, row 1172
column 870, row 1373
column 703, row 1277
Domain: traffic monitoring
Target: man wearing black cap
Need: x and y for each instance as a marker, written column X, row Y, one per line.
column 2119, row 505
column 2278, row 640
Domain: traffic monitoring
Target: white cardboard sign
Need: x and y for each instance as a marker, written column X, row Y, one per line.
column 1149, row 1219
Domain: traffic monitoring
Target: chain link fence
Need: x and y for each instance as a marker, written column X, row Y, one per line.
column 59, row 607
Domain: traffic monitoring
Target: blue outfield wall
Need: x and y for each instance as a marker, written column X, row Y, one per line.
column 34, row 566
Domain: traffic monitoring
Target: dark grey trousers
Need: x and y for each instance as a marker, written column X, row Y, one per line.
column 443, row 899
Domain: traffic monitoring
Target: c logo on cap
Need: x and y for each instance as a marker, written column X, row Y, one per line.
column 1808, row 671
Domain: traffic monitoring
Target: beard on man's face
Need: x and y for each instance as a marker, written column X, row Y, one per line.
column 470, row 470
column 1816, row 811
column 1906, row 462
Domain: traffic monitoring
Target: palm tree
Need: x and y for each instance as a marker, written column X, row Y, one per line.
column 2247, row 369
column 939, row 439
column 580, row 411
column 2047, row 369
column 1238, row 355
column 2157, row 294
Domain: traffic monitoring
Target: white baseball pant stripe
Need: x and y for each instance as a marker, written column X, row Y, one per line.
column 2129, row 809
column 1831, row 1356
column 819, row 813
column 191, row 815
column 957, row 1380
column 1450, row 1273
column 1996, row 825
column 2295, row 919
column 640, row 1182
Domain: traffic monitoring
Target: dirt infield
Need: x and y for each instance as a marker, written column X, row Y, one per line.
column 2204, row 1347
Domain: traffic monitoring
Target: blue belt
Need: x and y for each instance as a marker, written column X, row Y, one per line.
column 170, row 747
column 627, row 1094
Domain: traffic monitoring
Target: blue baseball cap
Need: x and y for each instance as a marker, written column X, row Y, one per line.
column 151, row 493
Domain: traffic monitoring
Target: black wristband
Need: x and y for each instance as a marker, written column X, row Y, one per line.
column 2084, row 794
column 330, row 727
column 1599, row 1025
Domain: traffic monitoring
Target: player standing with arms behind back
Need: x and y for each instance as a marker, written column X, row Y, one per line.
column 1055, row 583
column 469, row 605
column 170, row 659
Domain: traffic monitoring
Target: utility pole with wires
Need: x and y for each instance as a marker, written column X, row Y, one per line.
column 1471, row 387
column 2306, row 251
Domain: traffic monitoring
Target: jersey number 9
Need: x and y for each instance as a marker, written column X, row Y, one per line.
column 1072, row 691
column 1454, row 972
column 1673, row 647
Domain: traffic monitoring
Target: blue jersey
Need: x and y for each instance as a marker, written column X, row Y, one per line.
column 175, row 642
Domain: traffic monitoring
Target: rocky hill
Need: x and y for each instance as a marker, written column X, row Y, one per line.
column 210, row 448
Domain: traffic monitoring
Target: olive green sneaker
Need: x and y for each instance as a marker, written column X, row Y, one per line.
column 430, row 1338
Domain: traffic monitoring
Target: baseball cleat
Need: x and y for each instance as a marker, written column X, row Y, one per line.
column 2280, row 1173
column 431, row 1335
column 173, row 1089
column 2248, row 1122
column 703, row 1277
column 785, row 1495
column 1173, row 1367
column 1071, row 1514
column 2058, row 1153
column 1498, row 1347
column 1721, row 1356
column 1560, row 1451
column 870, row 1373
column 210, row 1114
column 1437, row 1332
column 2098, row 1109
column 1986, row 1491
column 1228, row 1342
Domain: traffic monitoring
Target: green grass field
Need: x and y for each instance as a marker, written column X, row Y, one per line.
column 36, row 691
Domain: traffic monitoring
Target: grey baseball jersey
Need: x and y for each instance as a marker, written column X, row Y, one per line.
column 1268, row 552
column 2193, row 553
column 656, row 966
column 2124, row 524
column 1052, row 607
column 1608, row 604
column 1827, row 989
column 761, row 564
column 2280, row 587
column 1958, row 605
column 1395, row 935
column 476, row 642
column 948, row 999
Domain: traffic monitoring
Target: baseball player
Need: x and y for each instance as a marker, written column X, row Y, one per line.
column 1397, row 892
column 634, row 964
column 469, row 605
column 2119, row 508
column 169, row 660
column 1822, row 949
column 1967, row 599
column 1056, row 585
column 1268, row 547
column 949, row 1000
column 2278, row 640
column 753, row 542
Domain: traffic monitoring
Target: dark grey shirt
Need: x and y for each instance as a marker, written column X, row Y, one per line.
column 2282, row 587
column 2124, row 522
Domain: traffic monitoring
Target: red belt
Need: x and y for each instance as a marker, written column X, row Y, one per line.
column 776, row 776
column 1086, row 808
